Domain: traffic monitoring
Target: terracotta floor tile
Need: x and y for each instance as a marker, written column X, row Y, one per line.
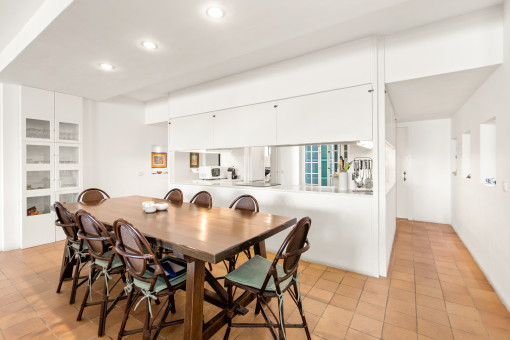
column 373, row 298
column 338, row 315
column 353, row 282
column 434, row 330
column 370, row 310
column 376, row 288
column 349, row 291
column 467, row 325
column 344, row 302
column 367, row 325
column 391, row 332
column 328, row 329
column 353, row 334
column 320, row 295
column 25, row 327
column 429, row 291
column 401, row 306
column 313, row 306
column 332, row 276
column 464, row 311
column 461, row 299
column 402, row 276
column 498, row 333
column 328, row 285
column 433, row 315
column 401, row 294
column 404, row 285
column 401, row 320
column 495, row 320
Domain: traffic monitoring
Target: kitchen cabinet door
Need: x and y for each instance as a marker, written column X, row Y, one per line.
column 68, row 118
column 251, row 125
column 326, row 117
column 191, row 132
column 37, row 108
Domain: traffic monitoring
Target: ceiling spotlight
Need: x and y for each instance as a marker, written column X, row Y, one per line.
column 150, row 45
column 106, row 66
column 215, row 12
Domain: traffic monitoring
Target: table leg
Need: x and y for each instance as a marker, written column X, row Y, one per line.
column 194, row 314
column 260, row 249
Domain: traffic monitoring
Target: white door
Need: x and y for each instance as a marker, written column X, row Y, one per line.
column 403, row 167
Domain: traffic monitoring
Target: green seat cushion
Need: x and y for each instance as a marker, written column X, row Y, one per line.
column 117, row 262
column 160, row 283
column 253, row 273
column 76, row 246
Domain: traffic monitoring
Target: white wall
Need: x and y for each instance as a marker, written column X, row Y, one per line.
column 462, row 43
column 481, row 214
column 117, row 149
column 429, row 176
column 10, row 158
column 336, row 67
column 156, row 111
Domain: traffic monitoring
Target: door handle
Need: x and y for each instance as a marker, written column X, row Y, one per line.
column 405, row 173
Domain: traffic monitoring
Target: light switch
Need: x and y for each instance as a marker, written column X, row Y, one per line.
column 505, row 186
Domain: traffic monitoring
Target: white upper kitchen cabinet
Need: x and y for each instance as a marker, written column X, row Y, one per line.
column 68, row 118
column 326, row 117
column 37, row 107
column 191, row 132
column 251, row 125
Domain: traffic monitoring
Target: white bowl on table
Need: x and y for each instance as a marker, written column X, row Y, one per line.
column 149, row 207
column 161, row 206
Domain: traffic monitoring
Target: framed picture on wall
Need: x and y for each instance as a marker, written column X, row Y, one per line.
column 194, row 160
column 158, row 159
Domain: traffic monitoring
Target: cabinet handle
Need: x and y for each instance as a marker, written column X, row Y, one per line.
column 276, row 106
column 214, row 116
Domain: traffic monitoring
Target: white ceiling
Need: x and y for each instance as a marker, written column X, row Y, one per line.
column 435, row 97
column 13, row 16
column 195, row 49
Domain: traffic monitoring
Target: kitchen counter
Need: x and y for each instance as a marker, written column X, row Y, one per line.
column 289, row 188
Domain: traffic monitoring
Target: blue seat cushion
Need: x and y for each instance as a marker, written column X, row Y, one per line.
column 160, row 283
column 253, row 273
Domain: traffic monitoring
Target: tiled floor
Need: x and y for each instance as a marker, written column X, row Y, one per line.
column 434, row 291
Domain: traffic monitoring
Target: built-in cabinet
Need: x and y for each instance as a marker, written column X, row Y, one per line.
column 51, row 160
column 331, row 116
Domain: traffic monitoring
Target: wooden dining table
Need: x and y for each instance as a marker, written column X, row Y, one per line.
column 202, row 235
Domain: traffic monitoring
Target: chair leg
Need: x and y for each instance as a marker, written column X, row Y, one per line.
column 300, row 310
column 147, row 323
column 281, row 328
column 210, row 266
column 103, row 311
column 126, row 314
column 86, row 296
column 63, row 269
column 165, row 315
column 171, row 301
column 76, row 277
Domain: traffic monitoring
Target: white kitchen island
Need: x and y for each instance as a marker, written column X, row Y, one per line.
column 343, row 234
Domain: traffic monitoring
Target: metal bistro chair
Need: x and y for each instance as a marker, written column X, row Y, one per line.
column 75, row 251
column 104, row 262
column 246, row 203
column 147, row 279
column 92, row 194
column 202, row 199
column 268, row 279
column 174, row 196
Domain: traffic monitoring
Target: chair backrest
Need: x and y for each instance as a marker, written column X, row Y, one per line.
column 174, row 195
column 203, row 199
column 92, row 194
column 95, row 235
column 67, row 222
column 245, row 203
column 137, row 252
column 295, row 244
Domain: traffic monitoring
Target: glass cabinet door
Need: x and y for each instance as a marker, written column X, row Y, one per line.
column 68, row 197
column 69, row 179
column 38, row 205
column 38, row 154
column 38, row 129
column 68, row 132
column 68, row 155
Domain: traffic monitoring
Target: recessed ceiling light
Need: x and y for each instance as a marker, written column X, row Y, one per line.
column 106, row 66
column 215, row 12
column 150, row 45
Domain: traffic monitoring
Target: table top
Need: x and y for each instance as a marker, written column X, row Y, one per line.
column 208, row 234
